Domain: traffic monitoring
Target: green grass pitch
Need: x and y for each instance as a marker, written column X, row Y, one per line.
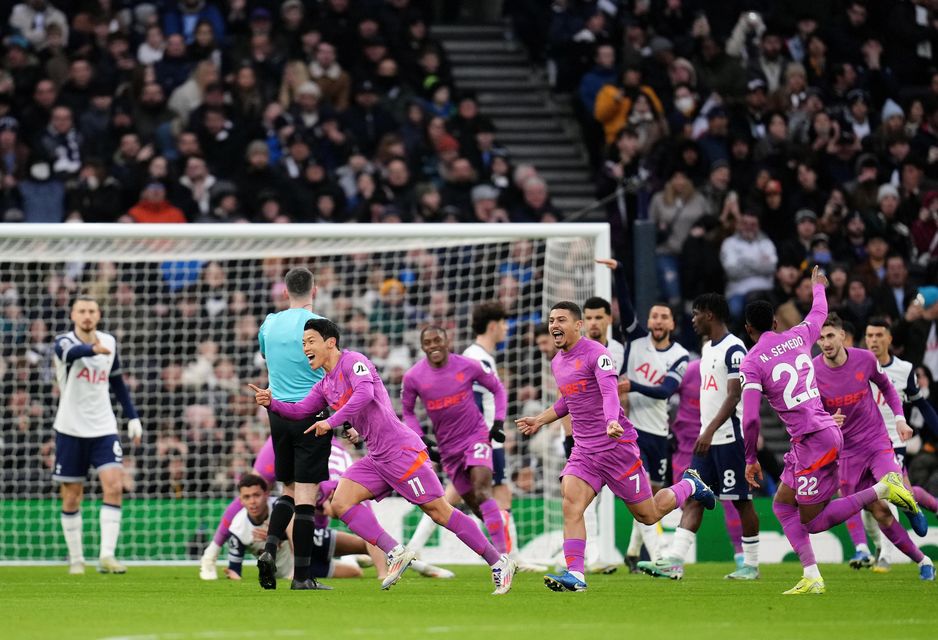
column 171, row 603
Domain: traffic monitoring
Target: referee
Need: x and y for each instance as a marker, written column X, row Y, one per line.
column 301, row 461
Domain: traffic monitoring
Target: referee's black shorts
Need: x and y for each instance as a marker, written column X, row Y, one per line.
column 298, row 456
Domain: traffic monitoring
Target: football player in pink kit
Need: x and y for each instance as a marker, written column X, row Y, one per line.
column 397, row 458
column 605, row 450
column 844, row 376
column 686, row 430
column 779, row 366
column 444, row 382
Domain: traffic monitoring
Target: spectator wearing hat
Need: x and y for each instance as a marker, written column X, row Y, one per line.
column 715, row 143
column 715, row 190
column 749, row 115
column 366, row 120
column 153, row 207
column 884, row 218
column 674, row 210
column 796, row 250
column 614, row 103
column 333, row 81
column 31, row 19
column 892, row 125
column 749, row 260
column 485, row 205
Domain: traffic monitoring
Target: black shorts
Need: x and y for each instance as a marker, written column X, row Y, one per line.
column 298, row 456
column 656, row 456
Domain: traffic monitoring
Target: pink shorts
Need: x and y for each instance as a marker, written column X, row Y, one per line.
column 477, row 454
column 619, row 468
column 264, row 463
column 410, row 474
column 811, row 465
column 863, row 471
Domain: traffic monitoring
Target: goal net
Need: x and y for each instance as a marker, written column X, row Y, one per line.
column 185, row 303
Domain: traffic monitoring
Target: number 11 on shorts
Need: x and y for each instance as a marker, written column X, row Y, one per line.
column 417, row 487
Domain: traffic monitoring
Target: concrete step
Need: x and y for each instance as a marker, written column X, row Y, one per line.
column 573, row 189
column 564, row 177
column 507, row 86
column 467, row 31
column 494, row 72
column 568, row 163
column 532, row 98
column 459, row 56
column 569, row 205
column 527, row 124
column 566, row 150
column 528, row 112
column 477, row 46
column 549, row 138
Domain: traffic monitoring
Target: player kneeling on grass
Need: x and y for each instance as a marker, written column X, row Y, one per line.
column 397, row 458
column 249, row 533
column 605, row 450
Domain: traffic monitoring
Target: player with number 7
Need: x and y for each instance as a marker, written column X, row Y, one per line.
column 779, row 366
column 397, row 458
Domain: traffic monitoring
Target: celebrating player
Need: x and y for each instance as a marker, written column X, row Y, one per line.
column 87, row 367
column 780, row 367
column 902, row 375
column 397, row 458
column 719, row 453
column 604, row 450
column 444, row 382
column 653, row 368
column 844, row 376
column 301, row 460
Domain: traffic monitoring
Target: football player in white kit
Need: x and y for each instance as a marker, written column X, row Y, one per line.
column 651, row 371
column 901, row 373
column 87, row 368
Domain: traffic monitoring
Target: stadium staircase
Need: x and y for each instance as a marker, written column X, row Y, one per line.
column 535, row 126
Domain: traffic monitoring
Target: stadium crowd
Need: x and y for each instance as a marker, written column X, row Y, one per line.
column 760, row 138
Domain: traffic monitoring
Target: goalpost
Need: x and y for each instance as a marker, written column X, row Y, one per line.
column 185, row 303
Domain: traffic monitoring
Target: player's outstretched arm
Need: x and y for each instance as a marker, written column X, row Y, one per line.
column 312, row 404
column 628, row 323
column 663, row 391
column 529, row 425
column 363, row 393
column 881, row 380
column 819, row 307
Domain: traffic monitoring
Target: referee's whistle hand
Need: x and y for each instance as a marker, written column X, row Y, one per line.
column 321, row 428
column 261, row 396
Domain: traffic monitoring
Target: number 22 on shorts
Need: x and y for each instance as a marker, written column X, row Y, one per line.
column 807, row 486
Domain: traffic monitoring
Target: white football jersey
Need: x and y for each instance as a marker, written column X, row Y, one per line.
column 649, row 366
column 617, row 350
column 339, row 459
column 902, row 376
column 484, row 397
column 719, row 363
column 242, row 539
column 85, row 408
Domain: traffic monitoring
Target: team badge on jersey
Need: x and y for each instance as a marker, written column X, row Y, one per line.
column 359, row 369
column 605, row 362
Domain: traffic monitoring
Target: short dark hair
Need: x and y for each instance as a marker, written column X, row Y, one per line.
column 760, row 315
column 299, row 281
column 572, row 307
column 541, row 329
column 849, row 328
column 84, row 297
column 715, row 303
column 252, row 480
column 485, row 313
column 598, row 303
column 833, row 320
column 324, row 327
column 432, row 327
column 880, row 321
